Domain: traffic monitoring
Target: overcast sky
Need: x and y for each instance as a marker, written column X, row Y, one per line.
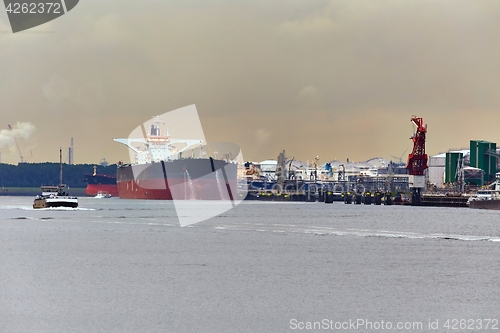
column 338, row 79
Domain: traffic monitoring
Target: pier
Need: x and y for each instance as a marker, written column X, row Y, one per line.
column 334, row 192
column 442, row 200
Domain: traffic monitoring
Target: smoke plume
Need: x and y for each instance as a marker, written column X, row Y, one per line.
column 21, row 130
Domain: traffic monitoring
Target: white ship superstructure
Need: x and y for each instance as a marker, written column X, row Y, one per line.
column 157, row 147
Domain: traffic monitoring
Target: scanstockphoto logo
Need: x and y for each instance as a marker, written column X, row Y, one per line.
column 171, row 160
column 26, row 14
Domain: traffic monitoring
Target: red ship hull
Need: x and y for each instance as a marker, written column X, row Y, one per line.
column 189, row 179
column 92, row 189
column 100, row 183
column 199, row 190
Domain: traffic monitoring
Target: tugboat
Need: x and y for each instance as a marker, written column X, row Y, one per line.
column 55, row 196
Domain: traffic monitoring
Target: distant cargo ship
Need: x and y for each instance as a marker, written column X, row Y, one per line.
column 100, row 183
column 493, row 204
column 161, row 172
column 487, row 198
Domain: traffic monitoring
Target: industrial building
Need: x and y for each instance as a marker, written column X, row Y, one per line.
column 478, row 165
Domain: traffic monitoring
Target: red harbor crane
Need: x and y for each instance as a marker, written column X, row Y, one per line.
column 417, row 160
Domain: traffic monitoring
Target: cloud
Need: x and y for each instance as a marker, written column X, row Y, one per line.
column 20, row 131
column 309, row 96
column 56, row 90
column 262, row 136
column 318, row 23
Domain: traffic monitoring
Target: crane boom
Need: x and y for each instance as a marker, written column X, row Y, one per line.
column 15, row 141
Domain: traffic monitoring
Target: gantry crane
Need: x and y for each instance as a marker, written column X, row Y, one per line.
column 417, row 160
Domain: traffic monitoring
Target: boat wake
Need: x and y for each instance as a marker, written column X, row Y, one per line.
column 22, row 218
column 62, row 209
column 49, row 208
column 42, row 209
column 315, row 230
column 18, row 207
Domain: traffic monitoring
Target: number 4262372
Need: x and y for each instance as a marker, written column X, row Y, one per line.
column 34, row 8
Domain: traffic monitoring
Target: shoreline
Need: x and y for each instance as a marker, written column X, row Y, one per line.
column 33, row 191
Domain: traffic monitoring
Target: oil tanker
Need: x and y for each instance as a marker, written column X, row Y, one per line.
column 173, row 169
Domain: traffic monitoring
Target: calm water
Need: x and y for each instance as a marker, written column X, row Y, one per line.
column 127, row 266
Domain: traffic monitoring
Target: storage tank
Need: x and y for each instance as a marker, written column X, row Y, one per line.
column 452, row 159
column 436, row 169
column 480, row 159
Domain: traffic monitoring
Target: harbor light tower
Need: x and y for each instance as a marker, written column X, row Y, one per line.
column 417, row 161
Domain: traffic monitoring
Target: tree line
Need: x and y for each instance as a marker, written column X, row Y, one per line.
column 38, row 174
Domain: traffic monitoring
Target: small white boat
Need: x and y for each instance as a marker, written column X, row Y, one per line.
column 102, row 194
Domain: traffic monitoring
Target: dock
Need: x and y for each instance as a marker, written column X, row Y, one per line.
column 443, row 200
